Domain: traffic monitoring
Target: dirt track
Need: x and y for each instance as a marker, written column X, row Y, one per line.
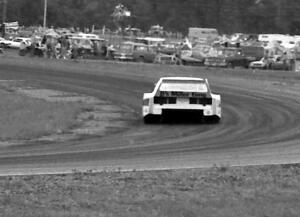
column 261, row 119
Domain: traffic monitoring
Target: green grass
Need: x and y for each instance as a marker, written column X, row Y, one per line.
column 269, row 191
column 26, row 118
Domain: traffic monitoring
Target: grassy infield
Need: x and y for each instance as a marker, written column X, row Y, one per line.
column 24, row 117
column 269, row 191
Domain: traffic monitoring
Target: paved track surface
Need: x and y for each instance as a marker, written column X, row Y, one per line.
column 260, row 125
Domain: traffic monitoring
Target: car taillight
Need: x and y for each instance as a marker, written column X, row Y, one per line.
column 193, row 100
column 164, row 100
column 202, row 101
column 172, row 100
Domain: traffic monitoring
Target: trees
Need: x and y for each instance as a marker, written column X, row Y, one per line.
column 176, row 15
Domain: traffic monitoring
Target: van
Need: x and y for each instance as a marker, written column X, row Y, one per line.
column 253, row 53
column 202, row 34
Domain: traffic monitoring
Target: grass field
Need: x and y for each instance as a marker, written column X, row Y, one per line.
column 269, row 191
column 24, row 118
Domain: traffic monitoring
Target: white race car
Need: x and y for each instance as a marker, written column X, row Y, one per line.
column 181, row 95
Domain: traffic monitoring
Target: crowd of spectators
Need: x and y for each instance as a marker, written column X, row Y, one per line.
column 63, row 47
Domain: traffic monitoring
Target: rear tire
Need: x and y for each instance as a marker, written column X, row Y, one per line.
column 141, row 59
column 212, row 119
column 230, row 65
column 22, row 52
column 271, row 66
column 151, row 119
column 147, row 120
column 179, row 62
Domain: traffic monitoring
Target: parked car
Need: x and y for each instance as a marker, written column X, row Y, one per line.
column 167, row 59
column 280, row 63
column 181, row 95
column 16, row 42
column 144, row 53
column 32, row 51
column 138, row 52
column 263, row 63
column 253, row 53
column 89, row 47
column 124, row 52
column 169, row 48
column 187, row 58
column 4, row 43
column 227, row 57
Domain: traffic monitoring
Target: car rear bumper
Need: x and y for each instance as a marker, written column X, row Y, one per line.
column 216, row 64
column 257, row 66
column 206, row 110
column 123, row 58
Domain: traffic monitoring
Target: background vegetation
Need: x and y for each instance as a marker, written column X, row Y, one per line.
column 248, row 16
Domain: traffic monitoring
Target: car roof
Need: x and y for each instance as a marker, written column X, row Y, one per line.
column 133, row 43
column 182, row 78
column 22, row 38
column 152, row 39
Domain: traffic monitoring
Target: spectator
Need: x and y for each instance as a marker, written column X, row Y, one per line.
column 74, row 50
column 33, row 45
column 58, row 47
column 44, row 40
column 64, row 47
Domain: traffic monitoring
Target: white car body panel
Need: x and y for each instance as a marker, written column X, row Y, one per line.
column 16, row 43
column 260, row 64
column 182, row 103
column 4, row 42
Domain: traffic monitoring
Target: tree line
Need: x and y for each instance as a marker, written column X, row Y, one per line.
column 228, row 16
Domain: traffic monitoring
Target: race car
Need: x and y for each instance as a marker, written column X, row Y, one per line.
column 181, row 95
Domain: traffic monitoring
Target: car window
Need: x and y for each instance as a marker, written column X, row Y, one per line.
column 170, row 45
column 184, row 86
column 141, row 48
column 86, row 42
column 229, row 52
column 153, row 49
column 125, row 47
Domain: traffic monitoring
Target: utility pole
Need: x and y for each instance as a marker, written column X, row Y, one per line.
column 45, row 14
column 4, row 4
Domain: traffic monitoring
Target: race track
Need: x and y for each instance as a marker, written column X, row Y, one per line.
column 260, row 125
